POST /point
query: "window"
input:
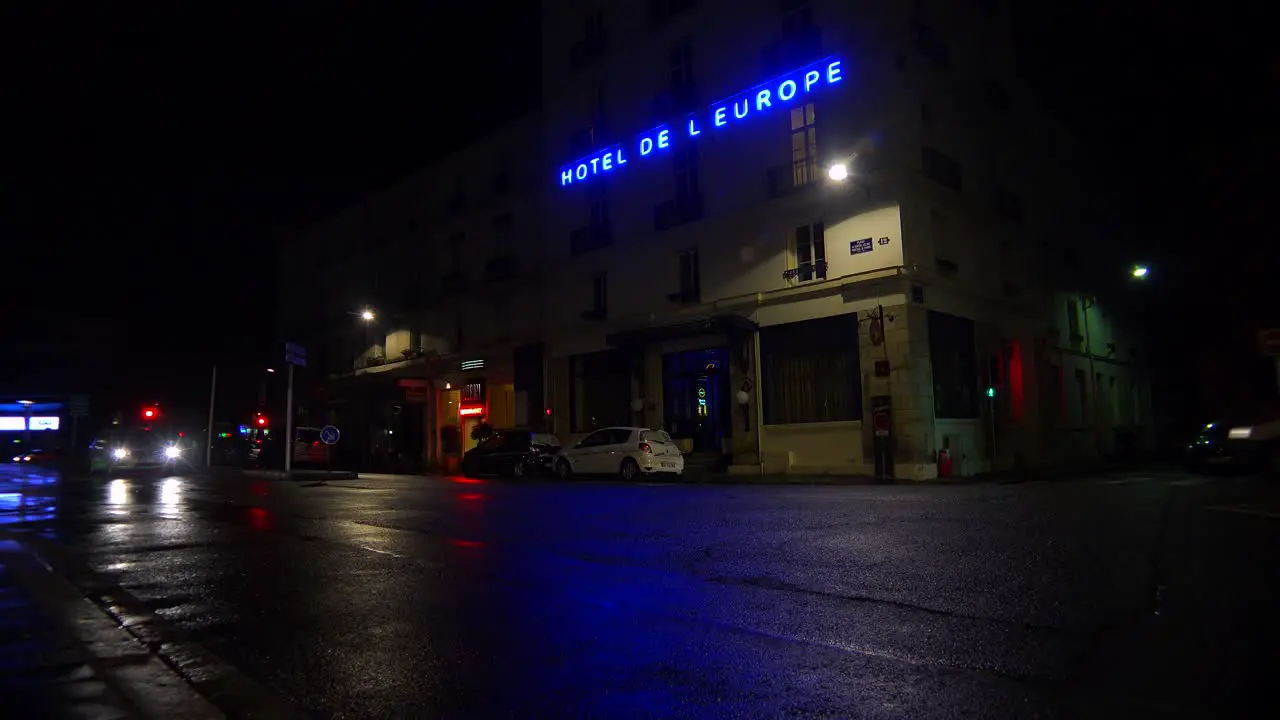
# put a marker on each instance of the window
(995, 96)
(600, 295)
(931, 46)
(600, 391)
(797, 17)
(804, 145)
(1008, 204)
(1073, 323)
(582, 141)
(593, 43)
(680, 66)
(811, 252)
(940, 232)
(456, 241)
(599, 207)
(1053, 394)
(502, 228)
(942, 168)
(953, 354)
(809, 371)
(1082, 391)
(690, 276)
(685, 162)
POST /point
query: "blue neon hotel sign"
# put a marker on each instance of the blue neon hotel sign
(784, 90)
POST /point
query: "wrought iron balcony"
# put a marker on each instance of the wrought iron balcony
(804, 272)
(684, 209)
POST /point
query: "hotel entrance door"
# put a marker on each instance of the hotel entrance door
(696, 397)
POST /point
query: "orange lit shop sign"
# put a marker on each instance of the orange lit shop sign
(470, 411)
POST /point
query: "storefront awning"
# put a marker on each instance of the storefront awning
(720, 324)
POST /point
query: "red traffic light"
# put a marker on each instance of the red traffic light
(150, 413)
(262, 421)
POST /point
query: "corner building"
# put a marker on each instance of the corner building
(711, 271)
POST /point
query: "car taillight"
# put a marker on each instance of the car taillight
(646, 448)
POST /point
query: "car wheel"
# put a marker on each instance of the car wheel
(518, 469)
(629, 470)
(563, 470)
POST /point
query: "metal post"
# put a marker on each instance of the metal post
(288, 424)
(208, 444)
(1092, 381)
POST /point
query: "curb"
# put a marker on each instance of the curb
(201, 683)
(292, 475)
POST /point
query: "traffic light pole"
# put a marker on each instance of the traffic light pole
(208, 441)
(288, 424)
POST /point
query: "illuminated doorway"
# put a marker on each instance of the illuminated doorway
(695, 392)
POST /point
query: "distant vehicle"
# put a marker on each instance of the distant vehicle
(34, 455)
(515, 452)
(1250, 443)
(308, 449)
(136, 448)
(629, 452)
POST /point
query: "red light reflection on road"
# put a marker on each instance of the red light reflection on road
(466, 480)
(259, 488)
(468, 543)
(471, 496)
(260, 518)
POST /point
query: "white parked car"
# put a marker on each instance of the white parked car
(629, 452)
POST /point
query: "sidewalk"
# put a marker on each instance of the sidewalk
(42, 664)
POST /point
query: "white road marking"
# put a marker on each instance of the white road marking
(381, 552)
(1246, 511)
(1124, 481)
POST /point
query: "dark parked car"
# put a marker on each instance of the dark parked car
(515, 452)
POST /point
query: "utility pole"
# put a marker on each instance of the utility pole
(208, 444)
(288, 424)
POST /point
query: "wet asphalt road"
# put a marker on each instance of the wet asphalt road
(394, 596)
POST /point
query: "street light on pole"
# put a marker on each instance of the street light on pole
(1140, 271)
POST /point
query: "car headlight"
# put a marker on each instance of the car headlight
(119, 453)
(1240, 433)
(172, 452)
(17, 458)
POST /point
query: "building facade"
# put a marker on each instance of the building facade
(832, 238)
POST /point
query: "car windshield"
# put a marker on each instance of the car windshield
(545, 439)
(309, 436)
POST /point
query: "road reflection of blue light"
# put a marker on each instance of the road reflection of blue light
(26, 495)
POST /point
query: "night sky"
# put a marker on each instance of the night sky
(165, 148)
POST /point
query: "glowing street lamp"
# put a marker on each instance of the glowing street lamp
(1140, 271)
(838, 172)
(367, 316)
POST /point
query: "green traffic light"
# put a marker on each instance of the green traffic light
(991, 392)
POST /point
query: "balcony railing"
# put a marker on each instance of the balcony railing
(500, 268)
(684, 209)
(786, 179)
(590, 237)
(804, 272)
(796, 48)
(453, 283)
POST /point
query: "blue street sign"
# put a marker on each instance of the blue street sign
(857, 247)
(329, 435)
